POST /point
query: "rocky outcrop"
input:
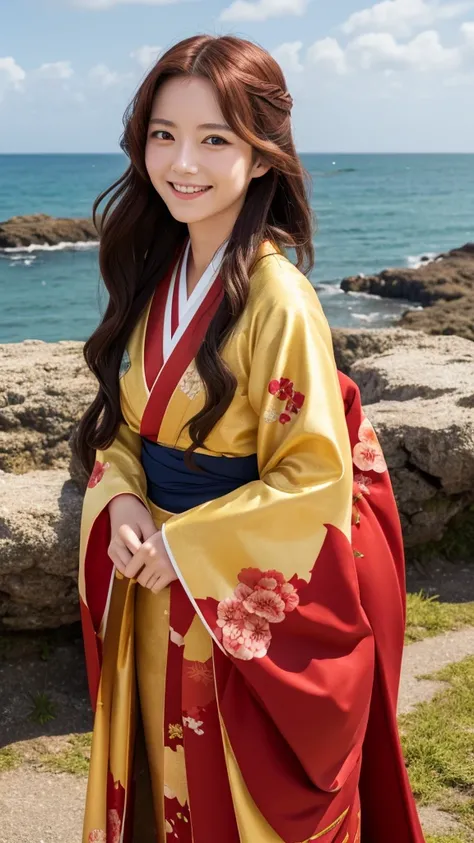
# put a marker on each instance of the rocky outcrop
(444, 286)
(39, 545)
(41, 229)
(44, 389)
(418, 390)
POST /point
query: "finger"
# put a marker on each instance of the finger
(153, 580)
(128, 536)
(159, 585)
(136, 564)
(145, 575)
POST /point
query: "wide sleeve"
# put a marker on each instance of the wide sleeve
(270, 570)
(117, 470)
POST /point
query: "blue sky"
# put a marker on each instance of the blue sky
(392, 76)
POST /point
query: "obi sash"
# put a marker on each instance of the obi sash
(172, 486)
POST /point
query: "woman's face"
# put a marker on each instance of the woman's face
(182, 151)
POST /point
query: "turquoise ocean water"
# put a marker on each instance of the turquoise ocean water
(373, 211)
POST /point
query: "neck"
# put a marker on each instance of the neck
(206, 236)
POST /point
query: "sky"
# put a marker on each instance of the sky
(392, 76)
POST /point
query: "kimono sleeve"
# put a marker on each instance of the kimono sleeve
(117, 470)
(270, 570)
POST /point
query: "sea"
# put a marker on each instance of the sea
(372, 212)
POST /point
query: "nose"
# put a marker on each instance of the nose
(183, 161)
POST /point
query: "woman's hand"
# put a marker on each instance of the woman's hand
(136, 545)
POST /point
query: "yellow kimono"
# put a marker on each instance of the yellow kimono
(233, 706)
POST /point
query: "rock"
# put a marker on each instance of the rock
(418, 391)
(44, 389)
(444, 286)
(41, 229)
(39, 546)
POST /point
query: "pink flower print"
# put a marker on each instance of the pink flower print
(290, 596)
(97, 473)
(251, 576)
(295, 403)
(367, 454)
(242, 591)
(230, 612)
(268, 583)
(114, 825)
(266, 604)
(283, 388)
(284, 418)
(97, 835)
(256, 637)
(363, 483)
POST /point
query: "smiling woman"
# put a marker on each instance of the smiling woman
(241, 563)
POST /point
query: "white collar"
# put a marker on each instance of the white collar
(205, 281)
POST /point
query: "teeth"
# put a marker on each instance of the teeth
(182, 189)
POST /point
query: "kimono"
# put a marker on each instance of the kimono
(254, 699)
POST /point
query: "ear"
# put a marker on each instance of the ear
(260, 168)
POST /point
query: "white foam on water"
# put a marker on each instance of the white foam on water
(46, 247)
(415, 261)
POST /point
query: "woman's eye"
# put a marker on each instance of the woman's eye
(215, 137)
(158, 132)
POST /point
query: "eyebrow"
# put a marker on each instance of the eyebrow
(220, 126)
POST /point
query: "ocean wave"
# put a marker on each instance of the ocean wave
(415, 261)
(46, 247)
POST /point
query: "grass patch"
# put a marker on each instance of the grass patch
(9, 758)
(43, 709)
(72, 758)
(450, 838)
(438, 743)
(426, 616)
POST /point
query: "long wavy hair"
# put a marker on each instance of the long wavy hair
(251, 91)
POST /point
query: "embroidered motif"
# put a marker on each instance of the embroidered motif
(243, 620)
(114, 825)
(175, 731)
(193, 724)
(125, 364)
(97, 473)
(367, 453)
(358, 554)
(361, 483)
(168, 827)
(97, 835)
(191, 383)
(283, 390)
(200, 672)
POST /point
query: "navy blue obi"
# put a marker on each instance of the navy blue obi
(171, 485)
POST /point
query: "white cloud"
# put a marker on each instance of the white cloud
(56, 70)
(11, 73)
(242, 10)
(288, 56)
(403, 17)
(105, 77)
(423, 53)
(467, 30)
(146, 56)
(328, 51)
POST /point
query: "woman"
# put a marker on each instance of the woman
(241, 579)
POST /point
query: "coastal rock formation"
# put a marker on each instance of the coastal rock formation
(39, 544)
(44, 389)
(444, 286)
(41, 229)
(418, 391)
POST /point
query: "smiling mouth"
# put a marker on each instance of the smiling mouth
(189, 188)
